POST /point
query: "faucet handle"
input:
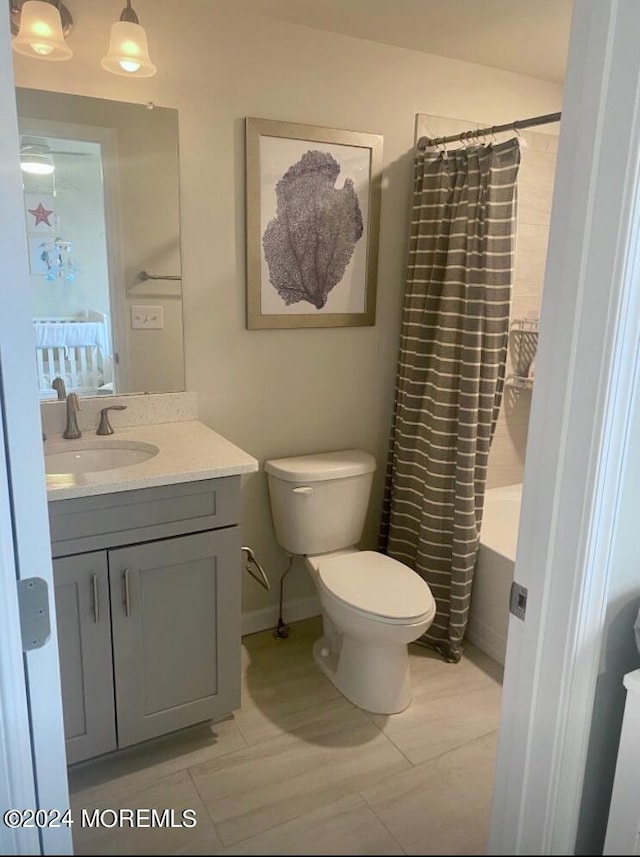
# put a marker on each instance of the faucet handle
(58, 385)
(105, 426)
(72, 431)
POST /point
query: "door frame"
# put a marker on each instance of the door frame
(37, 771)
(17, 780)
(586, 376)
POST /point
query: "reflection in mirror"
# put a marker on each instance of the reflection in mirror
(100, 182)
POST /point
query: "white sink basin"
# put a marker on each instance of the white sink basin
(89, 456)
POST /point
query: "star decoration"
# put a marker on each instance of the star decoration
(41, 214)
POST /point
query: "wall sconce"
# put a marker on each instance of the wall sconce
(128, 51)
(39, 27)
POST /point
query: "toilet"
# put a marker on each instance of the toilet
(372, 605)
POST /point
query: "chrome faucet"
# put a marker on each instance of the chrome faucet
(105, 426)
(58, 385)
(72, 430)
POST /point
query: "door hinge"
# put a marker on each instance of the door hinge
(33, 601)
(518, 600)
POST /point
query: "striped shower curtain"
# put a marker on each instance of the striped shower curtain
(450, 378)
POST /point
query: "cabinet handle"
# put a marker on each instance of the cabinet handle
(127, 597)
(96, 601)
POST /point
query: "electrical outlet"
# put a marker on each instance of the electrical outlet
(147, 318)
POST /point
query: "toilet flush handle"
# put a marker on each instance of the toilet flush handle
(303, 489)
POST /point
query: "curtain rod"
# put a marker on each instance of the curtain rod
(474, 133)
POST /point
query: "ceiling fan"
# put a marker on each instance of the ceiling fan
(37, 156)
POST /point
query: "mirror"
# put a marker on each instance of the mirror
(101, 202)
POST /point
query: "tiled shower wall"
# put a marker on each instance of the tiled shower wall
(535, 190)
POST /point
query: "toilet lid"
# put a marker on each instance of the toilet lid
(376, 584)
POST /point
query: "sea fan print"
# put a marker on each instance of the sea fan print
(311, 240)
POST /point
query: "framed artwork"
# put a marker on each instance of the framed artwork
(313, 215)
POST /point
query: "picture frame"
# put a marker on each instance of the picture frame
(313, 219)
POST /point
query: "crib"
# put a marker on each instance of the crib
(76, 349)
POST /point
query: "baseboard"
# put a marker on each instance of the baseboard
(267, 617)
(486, 639)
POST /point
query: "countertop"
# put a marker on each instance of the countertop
(189, 451)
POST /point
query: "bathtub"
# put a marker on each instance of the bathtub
(489, 613)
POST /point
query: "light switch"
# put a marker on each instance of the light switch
(147, 318)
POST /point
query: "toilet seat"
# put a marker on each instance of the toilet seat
(376, 586)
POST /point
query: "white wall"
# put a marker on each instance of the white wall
(290, 391)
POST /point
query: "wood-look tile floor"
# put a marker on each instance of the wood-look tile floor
(300, 770)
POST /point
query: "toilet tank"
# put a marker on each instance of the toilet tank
(319, 502)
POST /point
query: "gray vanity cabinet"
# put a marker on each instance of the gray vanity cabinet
(84, 641)
(148, 611)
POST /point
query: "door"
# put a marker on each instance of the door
(555, 742)
(175, 613)
(84, 645)
(91, 174)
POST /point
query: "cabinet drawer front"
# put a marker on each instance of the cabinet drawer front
(108, 520)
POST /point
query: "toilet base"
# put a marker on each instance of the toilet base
(375, 678)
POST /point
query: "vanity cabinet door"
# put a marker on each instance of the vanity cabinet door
(84, 642)
(176, 646)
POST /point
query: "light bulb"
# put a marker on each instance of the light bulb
(42, 49)
(37, 169)
(129, 65)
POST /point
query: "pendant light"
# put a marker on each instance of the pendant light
(42, 29)
(128, 51)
